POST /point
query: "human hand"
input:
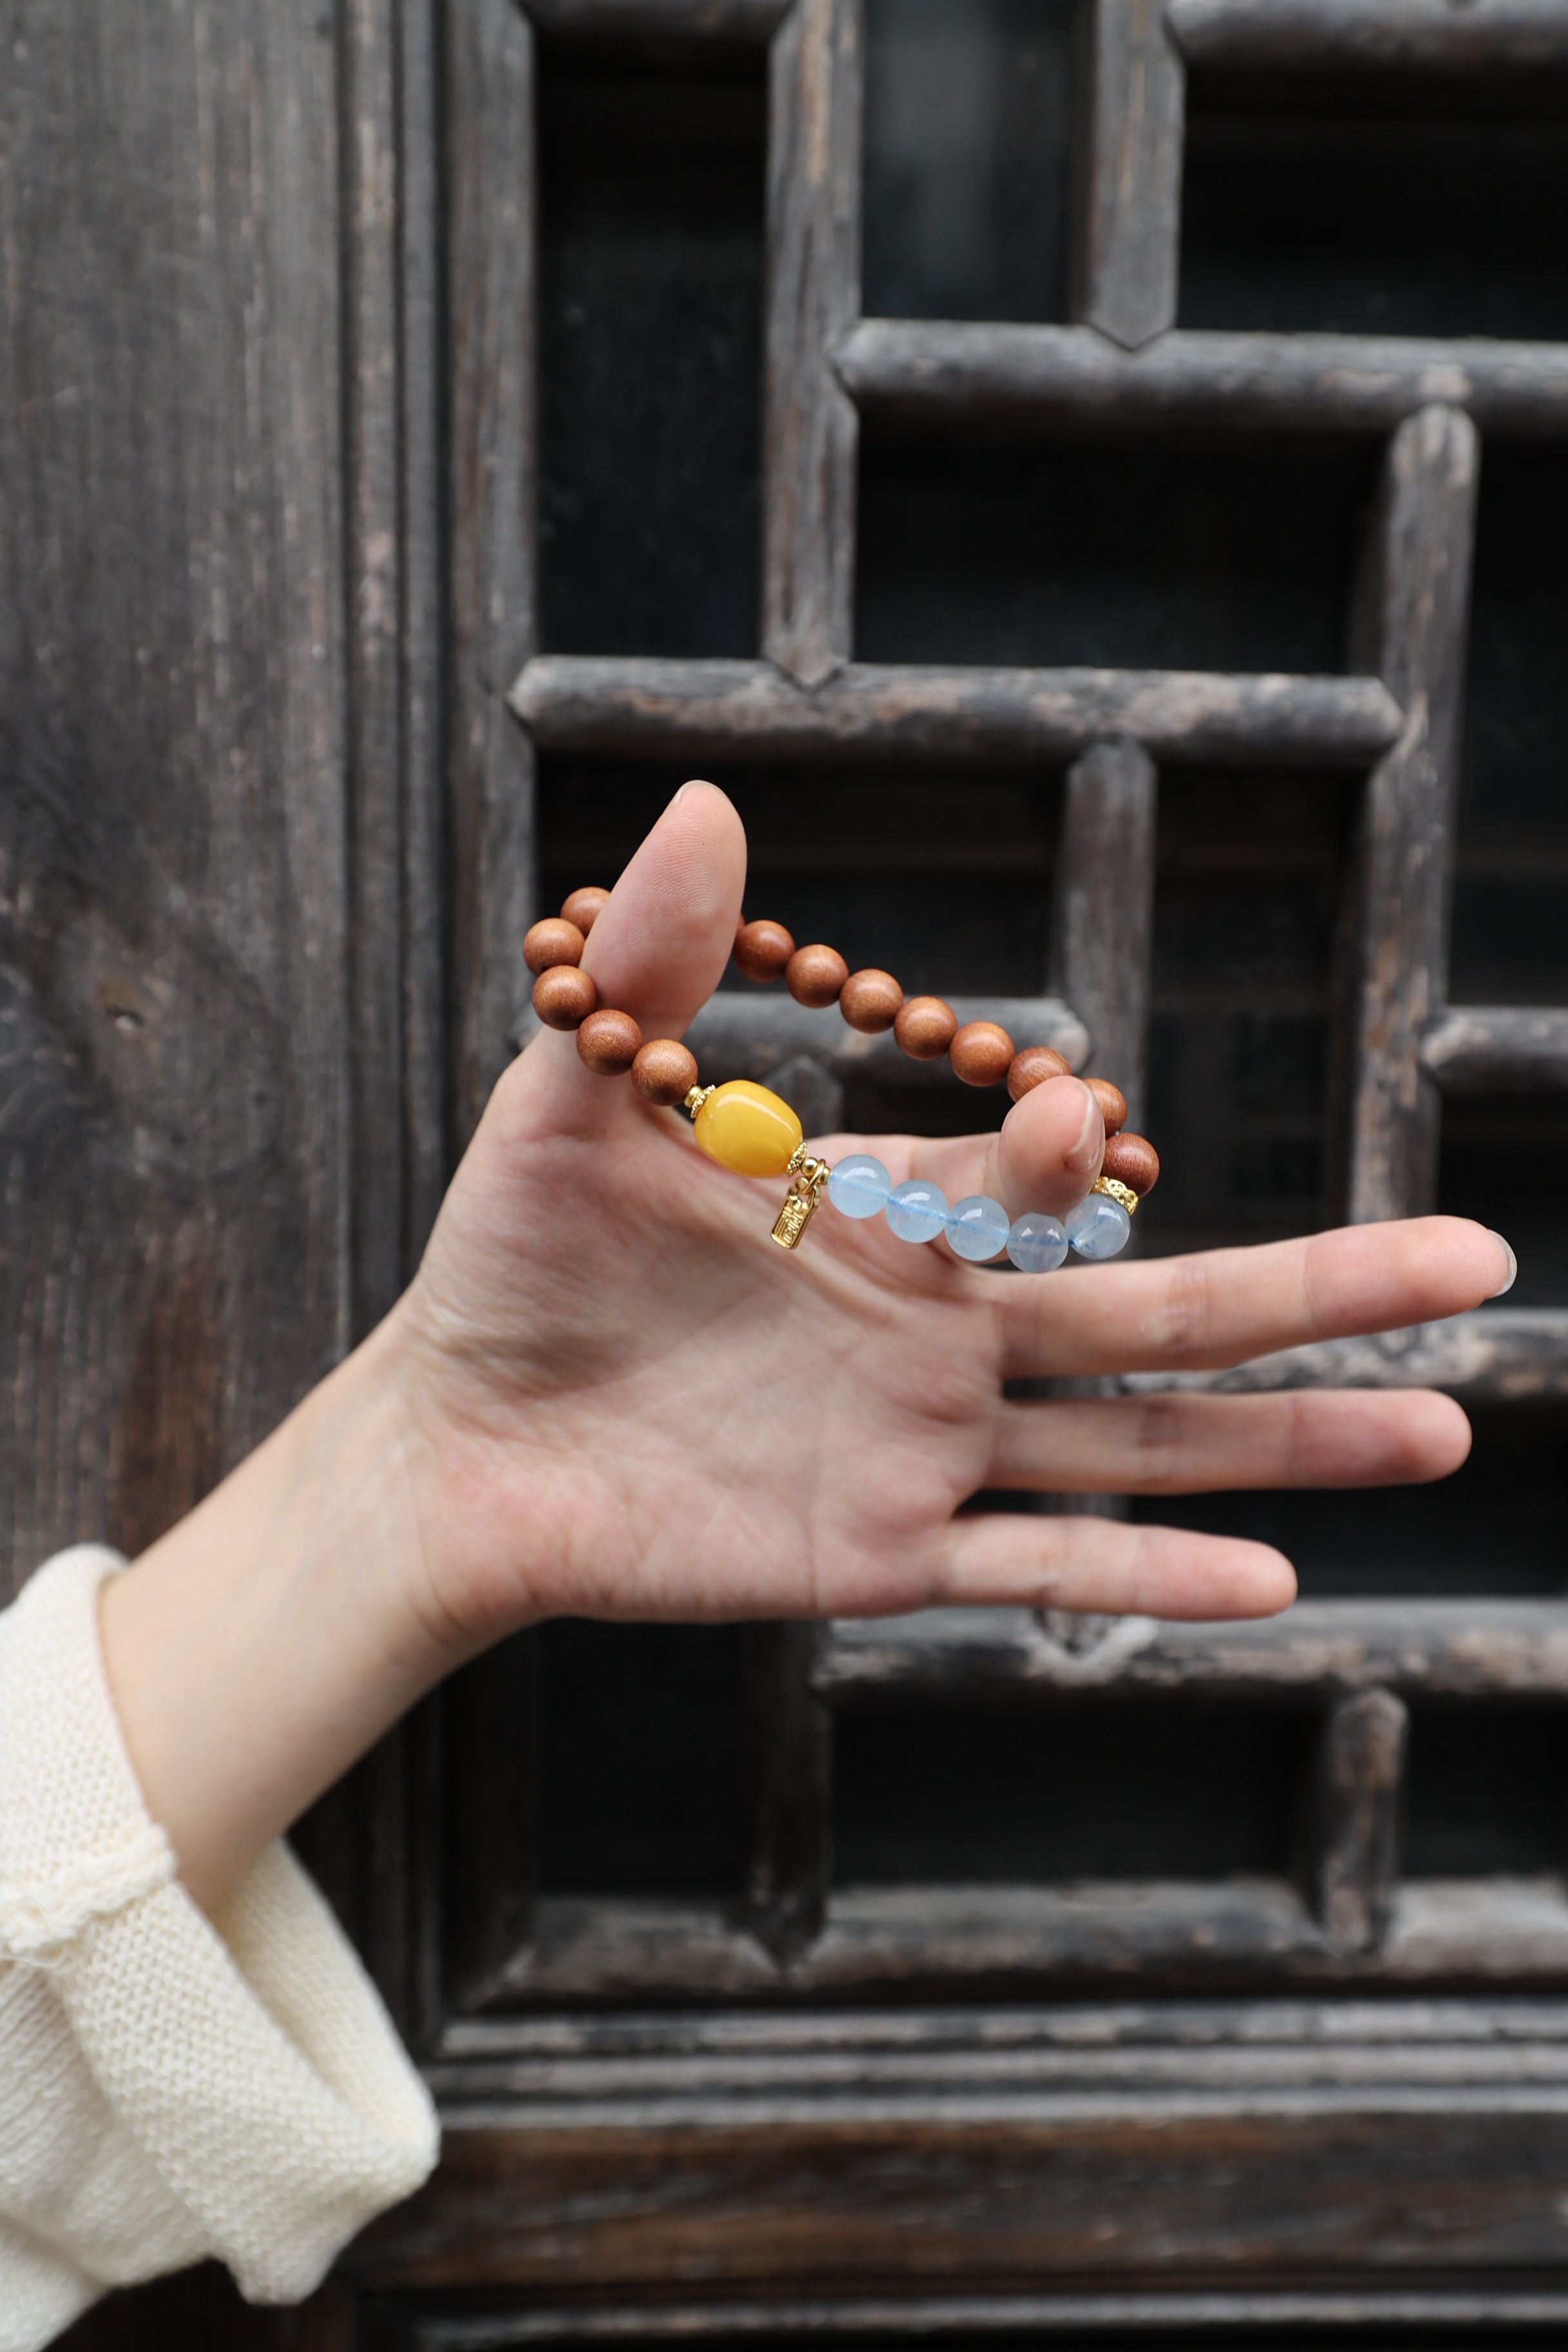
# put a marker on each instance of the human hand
(608, 1393)
(631, 1404)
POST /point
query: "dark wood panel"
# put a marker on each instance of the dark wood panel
(492, 262)
(1131, 172)
(1133, 2194)
(749, 21)
(1381, 33)
(1461, 1649)
(1028, 378)
(1487, 1049)
(1410, 629)
(809, 425)
(174, 816)
(697, 710)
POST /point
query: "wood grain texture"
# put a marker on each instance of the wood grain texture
(1319, 1649)
(173, 827)
(1025, 378)
(1411, 631)
(1147, 2314)
(1352, 1818)
(809, 423)
(1425, 34)
(990, 1943)
(1506, 1354)
(1131, 225)
(1103, 933)
(1484, 1049)
(491, 264)
(1016, 718)
(792, 1789)
(1120, 2194)
(752, 22)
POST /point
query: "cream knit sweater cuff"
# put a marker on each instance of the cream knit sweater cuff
(171, 2087)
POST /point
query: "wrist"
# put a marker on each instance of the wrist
(262, 1644)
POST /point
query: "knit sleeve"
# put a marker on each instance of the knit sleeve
(171, 2087)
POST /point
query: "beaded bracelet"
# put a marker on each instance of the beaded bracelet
(745, 1128)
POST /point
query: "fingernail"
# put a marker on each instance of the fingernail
(1512, 1275)
(674, 797)
(1085, 1152)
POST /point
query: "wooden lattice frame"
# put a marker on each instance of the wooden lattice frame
(1127, 368)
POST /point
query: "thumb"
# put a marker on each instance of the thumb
(660, 944)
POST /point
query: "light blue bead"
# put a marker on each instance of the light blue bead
(977, 1227)
(1036, 1243)
(860, 1185)
(917, 1212)
(1099, 1226)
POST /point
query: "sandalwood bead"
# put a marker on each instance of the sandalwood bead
(1133, 1162)
(665, 1070)
(869, 1001)
(1112, 1103)
(609, 1042)
(981, 1053)
(925, 1027)
(814, 975)
(1032, 1066)
(583, 906)
(762, 950)
(564, 996)
(551, 941)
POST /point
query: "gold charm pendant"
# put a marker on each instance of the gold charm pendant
(800, 1201)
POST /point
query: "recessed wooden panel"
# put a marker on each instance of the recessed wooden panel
(650, 355)
(1376, 205)
(968, 157)
(1199, 556)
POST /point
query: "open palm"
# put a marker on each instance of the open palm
(631, 1404)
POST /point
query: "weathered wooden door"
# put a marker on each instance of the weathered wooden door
(1093, 483)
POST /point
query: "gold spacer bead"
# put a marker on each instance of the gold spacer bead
(1116, 1191)
(797, 1158)
(695, 1098)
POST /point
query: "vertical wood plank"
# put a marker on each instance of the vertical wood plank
(1131, 173)
(791, 1764)
(491, 273)
(173, 1038)
(790, 1735)
(809, 423)
(1102, 934)
(1410, 628)
(1354, 1816)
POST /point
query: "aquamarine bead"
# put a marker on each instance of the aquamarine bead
(917, 1212)
(860, 1185)
(977, 1227)
(1036, 1243)
(1099, 1226)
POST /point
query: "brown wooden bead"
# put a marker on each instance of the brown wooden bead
(1112, 1103)
(564, 996)
(869, 1001)
(762, 950)
(814, 975)
(1031, 1066)
(609, 1042)
(981, 1053)
(1133, 1162)
(665, 1070)
(550, 942)
(925, 1027)
(583, 905)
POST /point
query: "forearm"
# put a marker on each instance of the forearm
(263, 1643)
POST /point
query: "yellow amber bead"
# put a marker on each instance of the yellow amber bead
(744, 1126)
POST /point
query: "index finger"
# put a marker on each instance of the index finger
(1199, 1313)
